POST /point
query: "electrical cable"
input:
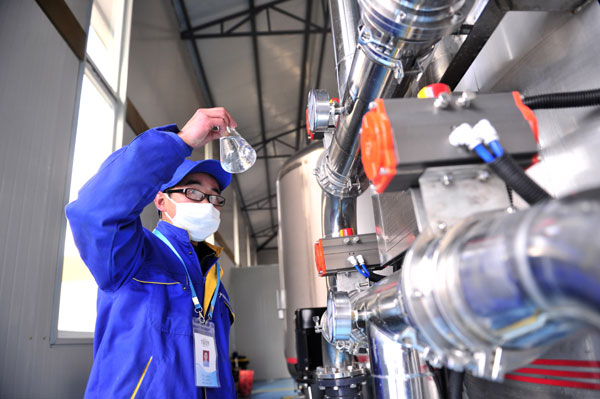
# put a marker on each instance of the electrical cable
(455, 384)
(496, 148)
(358, 268)
(483, 153)
(515, 177)
(374, 277)
(584, 98)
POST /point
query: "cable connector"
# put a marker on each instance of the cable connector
(463, 135)
(487, 132)
(360, 267)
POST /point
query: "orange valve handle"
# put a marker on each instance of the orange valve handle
(377, 146)
(527, 114)
(320, 258)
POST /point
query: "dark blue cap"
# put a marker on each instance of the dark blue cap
(208, 166)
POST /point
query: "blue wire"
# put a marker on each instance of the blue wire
(361, 271)
(483, 153)
(496, 148)
(362, 265)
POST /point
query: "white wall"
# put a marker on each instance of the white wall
(38, 83)
(260, 334)
(38, 87)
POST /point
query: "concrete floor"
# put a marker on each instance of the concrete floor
(274, 389)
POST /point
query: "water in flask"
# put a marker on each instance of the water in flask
(237, 155)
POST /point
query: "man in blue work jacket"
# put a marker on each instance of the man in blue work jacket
(161, 308)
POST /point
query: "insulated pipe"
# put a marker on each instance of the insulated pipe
(394, 37)
(344, 20)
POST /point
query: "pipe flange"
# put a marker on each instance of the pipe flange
(337, 185)
(357, 370)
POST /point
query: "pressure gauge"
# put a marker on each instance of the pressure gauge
(318, 110)
(339, 313)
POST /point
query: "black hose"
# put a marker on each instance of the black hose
(455, 384)
(374, 277)
(584, 98)
(514, 176)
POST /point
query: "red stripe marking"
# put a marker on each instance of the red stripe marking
(568, 363)
(291, 360)
(560, 383)
(559, 373)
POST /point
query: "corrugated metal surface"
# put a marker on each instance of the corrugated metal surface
(37, 96)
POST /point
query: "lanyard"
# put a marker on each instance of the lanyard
(195, 300)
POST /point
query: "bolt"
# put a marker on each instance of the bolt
(483, 175)
(442, 226)
(346, 241)
(355, 239)
(511, 209)
(447, 179)
(465, 100)
(442, 101)
(417, 294)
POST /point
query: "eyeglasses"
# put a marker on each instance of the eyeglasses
(196, 195)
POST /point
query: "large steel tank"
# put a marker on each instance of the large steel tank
(298, 204)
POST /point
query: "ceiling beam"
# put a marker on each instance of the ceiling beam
(267, 229)
(261, 113)
(219, 21)
(259, 203)
(303, 68)
(258, 145)
(297, 18)
(184, 20)
(229, 34)
(196, 59)
(265, 243)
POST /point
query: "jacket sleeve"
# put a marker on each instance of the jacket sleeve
(105, 218)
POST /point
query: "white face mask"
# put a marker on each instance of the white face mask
(200, 220)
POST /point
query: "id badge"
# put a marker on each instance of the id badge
(205, 354)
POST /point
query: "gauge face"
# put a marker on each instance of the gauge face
(318, 110)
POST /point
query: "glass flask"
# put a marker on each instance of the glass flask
(237, 155)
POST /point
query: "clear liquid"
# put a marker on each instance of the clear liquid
(237, 155)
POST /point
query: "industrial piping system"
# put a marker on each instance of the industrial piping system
(394, 40)
(489, 295)
(484, 288)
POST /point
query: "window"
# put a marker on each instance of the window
(98, 132)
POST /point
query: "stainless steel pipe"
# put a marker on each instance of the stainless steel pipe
(344, 16)
(494, 291)
(393, 38)
(398, 372)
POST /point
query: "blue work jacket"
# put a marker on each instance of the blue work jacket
(143, 343)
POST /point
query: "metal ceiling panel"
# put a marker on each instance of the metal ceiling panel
(201, 12)
(229, 70)
(280, 56)
(264, 54)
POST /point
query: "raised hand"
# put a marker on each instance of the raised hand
(207, 124)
